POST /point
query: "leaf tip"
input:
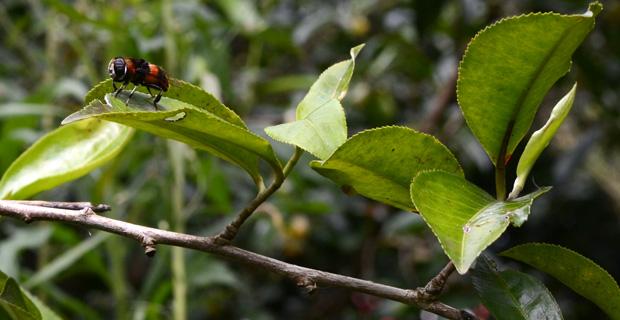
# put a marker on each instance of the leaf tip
(356, 50)
(71, 118)
(316, 163)
(594, 8)
(462, 267)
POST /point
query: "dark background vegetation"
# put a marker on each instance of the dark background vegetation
(260, 57)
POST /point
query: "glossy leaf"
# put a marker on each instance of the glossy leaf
(15, 302)
(511, 294)
(178, 90)
(508, 68)
(62, 155)
(540, 140)
(320, 126)
(187, 123)
(465, 218)
(380, 163)
(574, 270)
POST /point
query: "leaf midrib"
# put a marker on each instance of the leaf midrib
(364, 169)
(513, 299)
(524, 94)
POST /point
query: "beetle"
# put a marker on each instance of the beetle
(139, 72)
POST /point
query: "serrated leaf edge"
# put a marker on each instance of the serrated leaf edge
(173, 82)
(543, 244)
(441, 243)
(434, 139)
(594, 6)
(269, 132)
(537, 194)
(275, 164)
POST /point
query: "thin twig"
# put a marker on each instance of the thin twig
(306, 278)
(231, 230)
(435, 286)
(65, 205)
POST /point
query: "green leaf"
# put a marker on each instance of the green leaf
(46, 312)
(507, 70)
(465, 218)
(380, 163)
(178, 90)
(320, 126)
(62, 155)
(540, 140)
(511, 294)
(574, 270)
(15, 302)
(185, 122)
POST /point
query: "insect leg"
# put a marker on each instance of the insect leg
(131, 94)
(120, 89)
(157, 98)
(149, 90)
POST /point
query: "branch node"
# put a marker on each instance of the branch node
(149, 246)
(225, 236)
(150, 251)
(307, 284)
(435, 286)
(220, 240)
(27, 218)
(101, 207)
(87, 211)
(415, 295)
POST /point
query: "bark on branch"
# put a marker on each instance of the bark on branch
(308, 279)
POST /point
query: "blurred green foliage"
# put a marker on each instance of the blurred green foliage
(260, 57)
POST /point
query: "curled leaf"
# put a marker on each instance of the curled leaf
(320, 126)
(509, 67)
(540, 140)
(465, 218)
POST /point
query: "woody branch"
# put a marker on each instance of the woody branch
(83, 214)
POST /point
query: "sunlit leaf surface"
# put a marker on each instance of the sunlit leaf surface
(509, 67)
(320, 126)
(210, 127)
(540, 140)
(380, 163)
(465, 218)
(62, 155)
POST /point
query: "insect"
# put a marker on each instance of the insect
(139, 72)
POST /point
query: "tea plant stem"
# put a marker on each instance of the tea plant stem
(435, 286)
(64, 205)
(306, 278)
(231, 230)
